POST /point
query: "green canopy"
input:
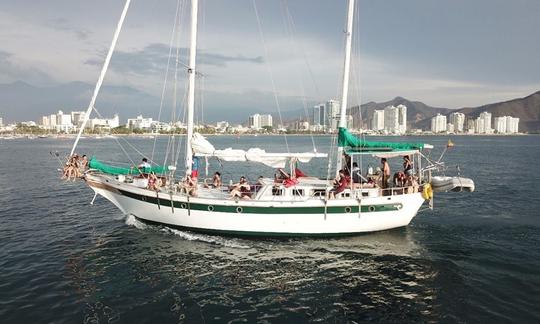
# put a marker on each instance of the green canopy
(346, 139)
(98, 165)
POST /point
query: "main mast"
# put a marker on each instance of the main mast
(191, 87)
(345, 82)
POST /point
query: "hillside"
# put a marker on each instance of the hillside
(416, 111)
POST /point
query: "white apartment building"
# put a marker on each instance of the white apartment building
(139, 123)
(258, 121)
(483, 123)
(395, 119)
(63, 122)
(506, 125)
(377, 122)
(319, 116)
(266, 120)
(333, 111)
(458, 121)
(438, 123)
(77, 117)
(103, 122)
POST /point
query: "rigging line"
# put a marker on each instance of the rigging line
(356, 65)
(288, 20)
(171, 44)
(102, 74)
(267, 61)
(180, 139)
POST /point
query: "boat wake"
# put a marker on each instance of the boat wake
(133, 221)
(232, 243)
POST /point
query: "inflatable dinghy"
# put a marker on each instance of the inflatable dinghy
(445, 184)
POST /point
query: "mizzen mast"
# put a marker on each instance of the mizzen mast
(345, 82)
(191, 86)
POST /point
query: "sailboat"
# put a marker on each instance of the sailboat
(290, 206)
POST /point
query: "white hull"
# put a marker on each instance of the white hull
(313, 217)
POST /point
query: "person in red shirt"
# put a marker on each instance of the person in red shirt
(341, 183)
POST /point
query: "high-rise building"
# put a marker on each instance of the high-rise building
(506, 125)
(319, 115)
(259, 121)
(77, 117)
(377, 122)
(391, 119)
(1, 122)
(438, 123)
(512, 125)
(500, 125)
(402, 119)
(265, 121)
(483, 123)
(458, 121)
(333, 113)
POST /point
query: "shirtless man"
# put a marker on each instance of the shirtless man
(385, 173)
(241, 189)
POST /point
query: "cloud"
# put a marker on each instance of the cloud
(153, 58)
(10, 71)
(63, 24)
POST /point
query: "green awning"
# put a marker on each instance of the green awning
(346, 139)
(109, 169)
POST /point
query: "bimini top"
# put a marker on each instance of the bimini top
(354, 145)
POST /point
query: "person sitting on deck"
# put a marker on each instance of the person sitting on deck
(281, 176)
(83, 163)
(242, 189)
(153, 182)
(190, 186)
(216, 181)
(399, 179)
(144, 165)
(340, 183)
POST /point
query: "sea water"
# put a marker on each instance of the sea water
(475, 258)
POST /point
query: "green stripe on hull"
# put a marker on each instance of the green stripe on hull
(252, 234)
(264, 210)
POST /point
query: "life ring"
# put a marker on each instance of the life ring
(427, 192)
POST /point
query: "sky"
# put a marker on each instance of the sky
(450, 54)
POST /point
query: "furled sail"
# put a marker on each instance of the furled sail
(202, 147)
(115, 170)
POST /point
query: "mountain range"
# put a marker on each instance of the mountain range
(419, 115)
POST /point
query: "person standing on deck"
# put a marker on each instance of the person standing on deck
(195, 168)
(385, 173)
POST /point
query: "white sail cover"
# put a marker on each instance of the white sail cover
(202, 147)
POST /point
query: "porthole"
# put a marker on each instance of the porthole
(239, 209)
(371, 208)
(183, 205)
(210, 208)
(348, 209)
